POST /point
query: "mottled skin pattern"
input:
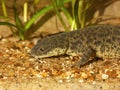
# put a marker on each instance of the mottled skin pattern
(101, 41)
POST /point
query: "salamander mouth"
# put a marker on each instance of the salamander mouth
(39, 57)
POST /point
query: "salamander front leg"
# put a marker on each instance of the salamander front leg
(85, 58)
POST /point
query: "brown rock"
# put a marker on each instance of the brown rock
(5, 31)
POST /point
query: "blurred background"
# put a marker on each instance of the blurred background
(34, 18)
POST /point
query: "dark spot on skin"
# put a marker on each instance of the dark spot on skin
(109, 40)
(97, 43)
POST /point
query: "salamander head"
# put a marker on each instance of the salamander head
(48, 47)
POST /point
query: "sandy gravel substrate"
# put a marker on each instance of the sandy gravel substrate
(20, 71)
(51, 84)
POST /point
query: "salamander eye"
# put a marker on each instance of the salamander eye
(41, 49)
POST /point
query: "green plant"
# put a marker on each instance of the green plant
(83, 7)
(4, 8)
(76, 19)
(22, 28)
(59, 5)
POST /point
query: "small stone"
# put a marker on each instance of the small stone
(105, 76)
(94, 82)
(60, 81)
(84, 75)
(81, 80)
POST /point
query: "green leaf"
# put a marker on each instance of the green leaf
(19, 25)
(40, 13)
(74, 15)
(67, 14)
(7, 23)
(37, 15)
(4, 8)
